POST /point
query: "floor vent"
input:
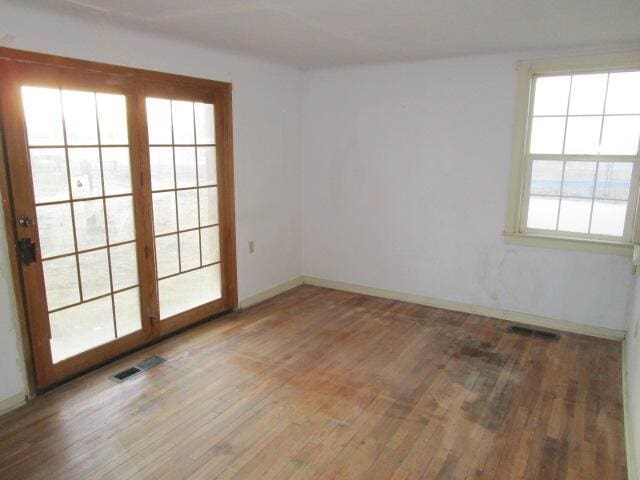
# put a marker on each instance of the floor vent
(530, 332)
(137, 369)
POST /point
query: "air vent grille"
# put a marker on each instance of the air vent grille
(137, 369)
(530, 332)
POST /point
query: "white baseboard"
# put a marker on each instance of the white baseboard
(271, 292)
(632, 460)
(12, 402)
(517, 317)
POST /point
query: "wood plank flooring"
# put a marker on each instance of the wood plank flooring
(318, 383)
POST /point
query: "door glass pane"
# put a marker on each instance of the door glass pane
(159, 121)
(123, 266)
(90, 227)
(189, 250)
(49, 174)
(80, 120)
(188, 209)
(188, 290)
(185, 166)
(94, 273)
(161, 168)
(82, 278)
(61, 282)
(127, 306)
(210, 245)
(164, 212)
(81, 328)
(43, 115)
(117, 170)
(182, 119)
(167, 259)
(208, 206)
(84, 166)
(184, 210)
(205, 124)
(55, 229)
(120, 219)
(112, 118)
(207, 174)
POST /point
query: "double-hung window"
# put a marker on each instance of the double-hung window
(576, 151)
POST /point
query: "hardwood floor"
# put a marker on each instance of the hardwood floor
(317, 383)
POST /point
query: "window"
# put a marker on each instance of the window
(576, 151)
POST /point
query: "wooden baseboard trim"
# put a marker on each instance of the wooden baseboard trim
(632, 461)
(271, 292)
(12, 402)
(516, 317)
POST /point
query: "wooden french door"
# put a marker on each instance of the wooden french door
(122, 199)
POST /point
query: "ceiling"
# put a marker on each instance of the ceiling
(324, 33)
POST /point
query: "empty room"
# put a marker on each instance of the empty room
(320, 239)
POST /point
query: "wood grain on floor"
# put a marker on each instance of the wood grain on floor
(318, 383)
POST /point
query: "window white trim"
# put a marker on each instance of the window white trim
(518, 179)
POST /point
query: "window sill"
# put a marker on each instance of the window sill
(567, 243)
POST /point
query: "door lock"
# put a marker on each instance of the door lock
(26, 251)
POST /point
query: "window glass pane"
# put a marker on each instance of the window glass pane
(543, 212)
(182, 122)
(207, 166)
(117, 170)
(61, 282)
(120, 219)
(205, 126)
(127, 306)
(164, 213)
(189, 250)
(210, 245)
(574, 215)
(80, 328)
(583, 135)
(614, 180)
(49, 174)
(587, 94)
(84, 166)
(608, 217)
(90, 227)
(43, 115)
(623, 95)
(124, 266)
(159, 121)
(208, 206)
(161, 168)
(620, 135)
(579, 179)
(80, 117)
(546, 177)
(188, 290)
(55, 229)
(551, 95)
(547, 135)
(112, 118)
(185, 166)
(187, 209)
(94, 273)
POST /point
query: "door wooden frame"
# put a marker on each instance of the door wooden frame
(145, 82)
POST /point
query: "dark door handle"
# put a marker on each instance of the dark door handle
(26, 251)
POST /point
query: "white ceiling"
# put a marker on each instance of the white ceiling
(322, 33)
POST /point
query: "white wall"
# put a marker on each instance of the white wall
(632, 400)
(266, 118)
(405, 174)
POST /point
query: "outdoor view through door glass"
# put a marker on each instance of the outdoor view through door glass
(182, 152)
(81, 173)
